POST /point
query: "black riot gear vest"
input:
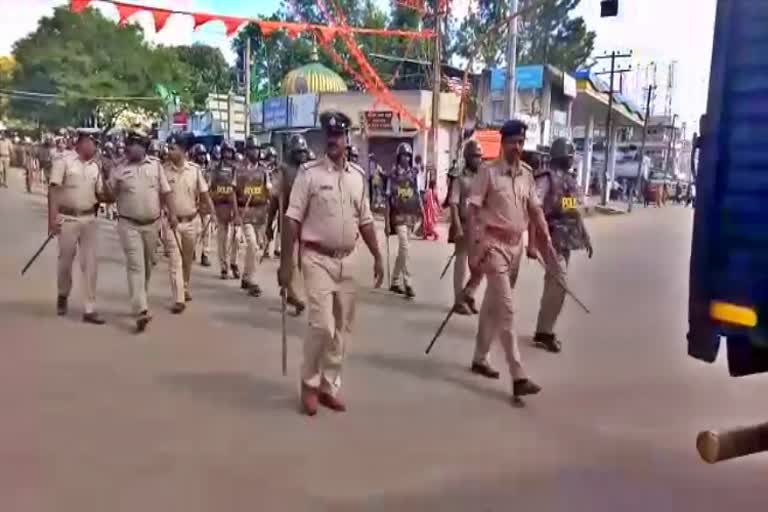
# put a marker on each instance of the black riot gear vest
(221, 182)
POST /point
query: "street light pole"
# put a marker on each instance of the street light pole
(651, 89)
(247, 63)
(510, 99)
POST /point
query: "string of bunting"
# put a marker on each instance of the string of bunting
(233, 24)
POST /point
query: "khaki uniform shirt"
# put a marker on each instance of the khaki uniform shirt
(330, 203)
(187, 184)
(506, 196)
(78, 182)
(138, 186)
(6, 148)
(460, 191)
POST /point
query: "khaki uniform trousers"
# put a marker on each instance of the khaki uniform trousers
(5, 165)
(400, 272)
(553, 296)
(252, 234)
(205, 238)
(79, 233)
(330, 291)
(180, 262)
(138, 244)
(228, 246)
(501, 267)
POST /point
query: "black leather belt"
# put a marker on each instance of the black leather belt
(77, 213)
(331, 253)
(139, 222)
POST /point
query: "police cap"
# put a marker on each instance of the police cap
(91, 133)
(513, 128)
(335, 122)
(178, 139)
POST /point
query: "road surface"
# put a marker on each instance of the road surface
(194, 415)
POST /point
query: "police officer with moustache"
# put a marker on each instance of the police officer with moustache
(298, 155)
(327, 210)
(200, 157)
(458, 200)
(560, 197)
(253, 188)
(190, 198)
(225, 202)
(405, 207)
(141, 190)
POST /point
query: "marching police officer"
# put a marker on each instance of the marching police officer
(190, 196)
(560, 197)
(458, 197)
(201, 158)
(141, 190)
(75, 190)
(6, 151)
(268, 156)
(223, 195)
(298, 155)
(327, 210)
(503, 201)
(253, 188)
(405, 207)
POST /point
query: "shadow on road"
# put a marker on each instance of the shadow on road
(235, 389)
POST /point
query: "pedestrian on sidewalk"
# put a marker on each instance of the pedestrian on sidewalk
(558, 191)
(75, 190)
(503, 201)
(328, 208)
(140, 188)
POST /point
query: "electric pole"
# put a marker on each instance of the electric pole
(651, 92)
(436, 80)
(510, 98)
(247, 65)
(609, 118)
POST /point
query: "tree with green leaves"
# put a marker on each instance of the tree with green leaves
(205, 71)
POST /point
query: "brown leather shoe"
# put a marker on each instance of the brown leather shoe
(331, 402)
(309, 400)
(485, 370)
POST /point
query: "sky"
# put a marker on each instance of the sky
(660, 31)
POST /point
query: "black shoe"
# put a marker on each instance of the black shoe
(224, 275)
(235, 271)
(187, 297)
(142, 321)
(178, 308)
(409, 292)
(485, 370)
(276, 253)
(254, 290)
(548, 342)
(395, 288)
(204, 261)
(61, 306)
(298, 305)
(523, 387)
(93, 318)
(245, 284)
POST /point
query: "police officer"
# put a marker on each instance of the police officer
(190, 197)
(405, 207)
(6, 151)
(327, 209)
(298, 155)
(253, 188)
(75, 190)
(268, 156)
(155, 149)
(141, 190)
(458, 197)
(503, 200)
(353, 155)
(223, 195)
(560, 197)
(200, 157)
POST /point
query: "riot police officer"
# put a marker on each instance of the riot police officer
(353, 154)
(268, 156)
(405, 207)
(559, 193)
(298, 155)
(253, 188)
(222, 192)
(200, 156)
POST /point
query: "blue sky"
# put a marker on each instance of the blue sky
(656, 30)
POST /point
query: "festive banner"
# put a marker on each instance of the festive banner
(232, 23)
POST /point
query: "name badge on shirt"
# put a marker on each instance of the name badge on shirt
(568, 203)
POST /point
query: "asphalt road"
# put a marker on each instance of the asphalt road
(194, 415)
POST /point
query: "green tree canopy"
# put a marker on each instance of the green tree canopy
(204, 71)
